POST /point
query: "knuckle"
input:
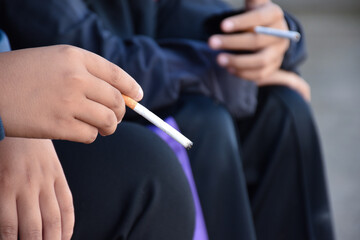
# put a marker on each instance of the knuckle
(109, 123)
(68, 209)
(260, 16)
(263, 61)
(115, 76)
(91, 136)
(69, 51)
(73, 82)
(262, 75)
(278, 12)
(8, 231)
(256, 43)
(122, 111)
(109, 119)
(66, 235)
(34, 234)
(6, 182)
(117, 99)
(60, 124)
(76, 80)
(53, 222)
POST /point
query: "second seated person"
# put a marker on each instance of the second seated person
(256, 158)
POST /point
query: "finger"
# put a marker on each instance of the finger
(8, 218)
(259, 76)
(29, 218)
(263, 15)
(281, 24)
(77, 131)
(64, 199)
(109, 72)
(250, 61)
(105, 94)
(248, 40)
(50, 213)
(242, 41)
(98, 116)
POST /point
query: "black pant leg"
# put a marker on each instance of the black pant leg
(217, 168)
(284, 169)
(127, 186)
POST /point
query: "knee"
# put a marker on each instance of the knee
(163, 187)
(287, 117)
(287, 103)
(211, 127)
(201, 117)
(134, 176)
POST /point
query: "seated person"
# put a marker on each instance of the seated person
(128, 185)
(256, 158)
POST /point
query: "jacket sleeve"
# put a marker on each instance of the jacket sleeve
(296, 54)
(164, 69)
(189, 18)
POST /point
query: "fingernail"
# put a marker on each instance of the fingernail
(228, 25)
(215, 42)
(223, 60)
(140, 94)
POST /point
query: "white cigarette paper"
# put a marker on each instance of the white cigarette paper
(143, 111)
(172, 132)
(293, 35)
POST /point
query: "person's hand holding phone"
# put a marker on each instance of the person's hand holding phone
(264, 53)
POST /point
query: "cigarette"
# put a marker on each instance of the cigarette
(146, 113)
(292, 35)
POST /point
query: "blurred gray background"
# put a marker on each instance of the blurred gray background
(332, 30)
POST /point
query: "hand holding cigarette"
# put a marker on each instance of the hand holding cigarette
(266, 52)
(62, 92)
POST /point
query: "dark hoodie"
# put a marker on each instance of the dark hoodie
(161, 43)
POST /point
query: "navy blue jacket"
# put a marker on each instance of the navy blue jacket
(161, 43)
(4, 46)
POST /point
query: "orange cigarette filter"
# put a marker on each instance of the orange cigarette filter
(131, 103)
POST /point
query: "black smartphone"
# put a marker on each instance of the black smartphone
(212, 24)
